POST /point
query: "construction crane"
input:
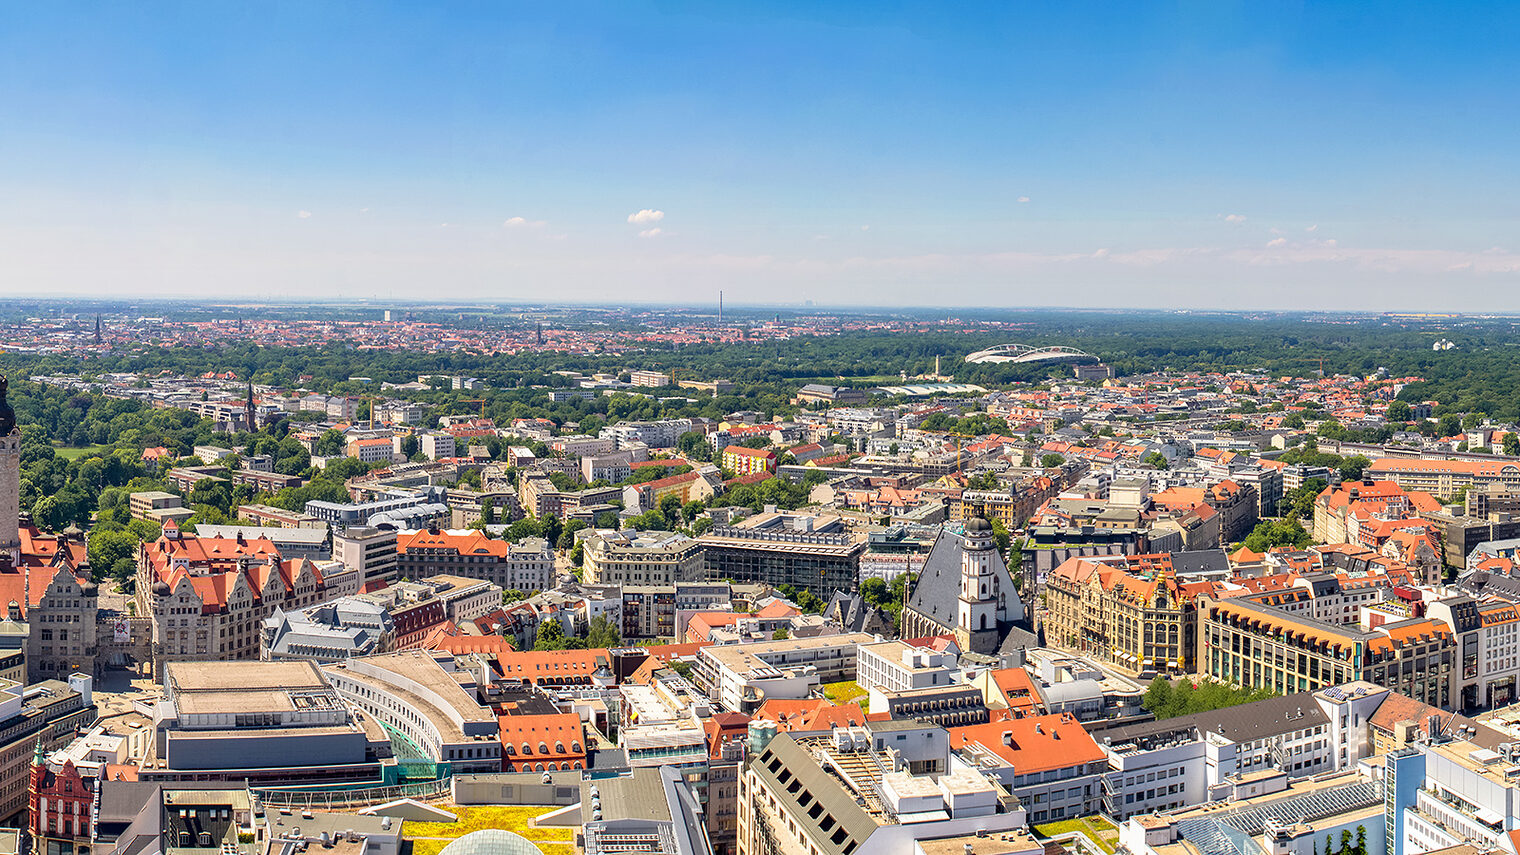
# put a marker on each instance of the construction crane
(480, 401)
(960, 442)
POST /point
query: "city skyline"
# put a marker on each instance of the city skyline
(1202, 157)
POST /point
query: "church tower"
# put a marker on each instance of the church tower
(976, 608)
(10, 477)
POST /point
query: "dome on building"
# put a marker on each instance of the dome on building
(491, 841)
(978, 526)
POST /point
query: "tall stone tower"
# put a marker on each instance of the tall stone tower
(976, 624)
(10, 476)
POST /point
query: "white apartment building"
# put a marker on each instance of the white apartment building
(1188, 760)
(651, 379)
(893, 666)
(582, 445)
(612, 468)
(437, 446)
(740, 677)
(656, 434)
(370, 551)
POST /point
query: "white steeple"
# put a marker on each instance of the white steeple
(976, 609)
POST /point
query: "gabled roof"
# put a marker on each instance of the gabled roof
(1033, 744)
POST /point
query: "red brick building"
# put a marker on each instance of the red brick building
(58, 809)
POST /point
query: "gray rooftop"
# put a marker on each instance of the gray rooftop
(1243, 723)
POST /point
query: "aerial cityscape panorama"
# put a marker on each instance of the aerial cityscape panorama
(770, 429)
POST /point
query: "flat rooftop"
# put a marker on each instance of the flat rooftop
(996, 843)
(419, 669)
(744, 658)
(205, 688)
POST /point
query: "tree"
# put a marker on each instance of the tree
(809, 602)
(1352, 467)
(1301, 501)
(603, 633)
(106, 548)
(875, 592)
(1271, 533)
(1002, 539)
(1399, 411)
(329, 444)
(213, 492)
(1512, 444)
(47, 513)
(1051, 460)
(780, 634)
(1154, 460)
(982, 481)
(670, 509)
(1158, 696)
(551, 636)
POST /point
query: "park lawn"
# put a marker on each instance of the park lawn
(513, 818)
(76, 453)
(1098, 830)
(843, 691)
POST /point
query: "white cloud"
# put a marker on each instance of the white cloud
(646, 216)
(1276, 242)
(1234, 219)
(865, 228)
(650, 233)
(1023, 199)
(305, 215)
(522, 223)
(1312, 228)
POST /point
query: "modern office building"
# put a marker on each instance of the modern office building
(371, 552)
(425, 699)
(816, 553)
(839, 793)
(1247, 643)
(741, 677)
(271, 722)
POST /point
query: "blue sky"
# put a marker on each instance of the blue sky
(1202, 154)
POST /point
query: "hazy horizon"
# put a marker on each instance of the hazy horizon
(1317, 157)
